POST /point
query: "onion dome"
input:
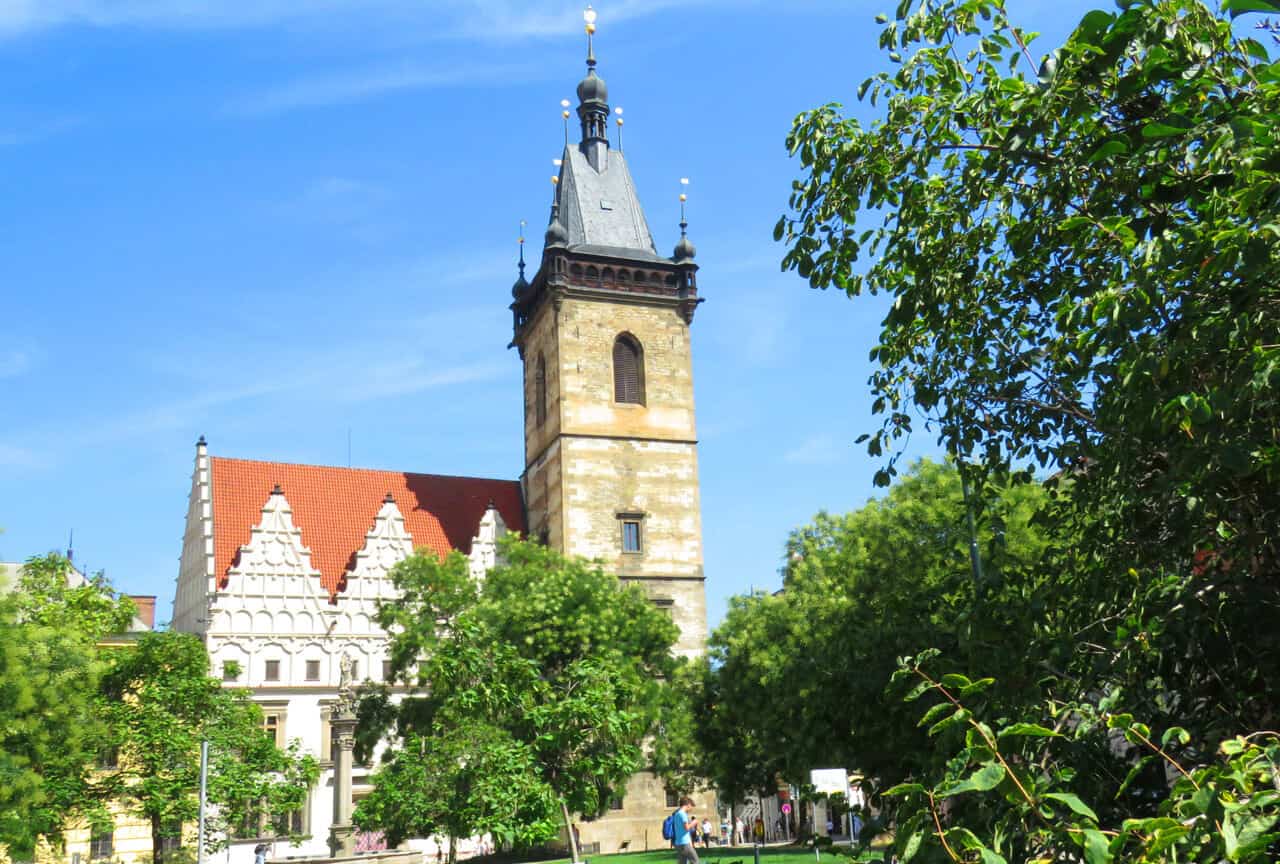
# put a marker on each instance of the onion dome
(556, 233)
(685, 250)
(592, 88)
(521, 285)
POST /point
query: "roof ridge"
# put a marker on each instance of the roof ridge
(363, 470)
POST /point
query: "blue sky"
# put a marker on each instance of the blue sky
(274, 221)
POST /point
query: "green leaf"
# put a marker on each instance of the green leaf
(1027, 730)
(984, 779)
(1162, 130)
(990, 856)
(1073, 801)
(912, 847)
(1113, 147)
(905, 789)
(1242, 7)
(1096, 849)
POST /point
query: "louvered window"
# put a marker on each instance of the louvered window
(628, 371)
(540, 390)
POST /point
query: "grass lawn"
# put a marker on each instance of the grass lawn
(720, 855)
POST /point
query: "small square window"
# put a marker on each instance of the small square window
(673, 798)
(631, 536)
(313, 670)
(664, 605)
(101, 843)
(272, 670)
(271, 723)
(615, 803)
(386, 670)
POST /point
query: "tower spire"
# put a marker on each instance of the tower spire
(522, 284)
(593, 104)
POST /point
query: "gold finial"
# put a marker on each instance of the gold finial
(589, 16)
(555, 179)
(564, 113)
(522, 224)
(684, 183)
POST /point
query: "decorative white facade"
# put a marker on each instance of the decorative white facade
(271, 625)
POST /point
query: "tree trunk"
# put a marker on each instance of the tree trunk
(734, 839)
(453, 849)
(157, 842)
(568, 827)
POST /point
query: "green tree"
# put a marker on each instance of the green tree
(50, 665)
(558, 661)
(796, 680)
(1083, 253)
(159, 702)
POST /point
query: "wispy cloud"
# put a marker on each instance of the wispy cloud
(496, 20)
(14, 363)
(14, 133)
(361, 84)
(818, 449)
(20, 457)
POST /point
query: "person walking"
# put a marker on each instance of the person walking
(260, 853)
(685, 826)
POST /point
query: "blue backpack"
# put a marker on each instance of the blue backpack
(669, 827)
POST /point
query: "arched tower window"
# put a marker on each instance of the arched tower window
(628, 370)
(540, 390)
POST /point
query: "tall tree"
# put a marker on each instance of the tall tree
(796, 680)
(159, 702)
(1084, 257)
(50, 665)
(557, 659)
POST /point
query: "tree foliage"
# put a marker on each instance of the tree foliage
(1081, 250)
(159, 702)
(547, 672)
(50, 666)
(795, 680)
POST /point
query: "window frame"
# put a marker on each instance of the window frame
(271, 671)
(96, 840)
(629, 343)
(540, 390)
(308, 665)
(626, 519)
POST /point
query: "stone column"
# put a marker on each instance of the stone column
(342, 722)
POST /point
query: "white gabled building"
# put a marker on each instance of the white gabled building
(282, 569)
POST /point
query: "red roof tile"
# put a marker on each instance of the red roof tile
(335, 508)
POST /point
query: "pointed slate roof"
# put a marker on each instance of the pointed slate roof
(335, 507)
(600, 209)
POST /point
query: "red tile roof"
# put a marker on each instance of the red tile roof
(335, 508)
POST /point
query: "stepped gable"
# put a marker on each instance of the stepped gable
(335, 508)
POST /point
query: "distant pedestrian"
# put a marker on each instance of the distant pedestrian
(260, 853)
(739, 831)
(685, 831)
(758, 829)
(705, 830)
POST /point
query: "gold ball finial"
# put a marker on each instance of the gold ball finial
(684, 197)
(589, 17)
(554, 179)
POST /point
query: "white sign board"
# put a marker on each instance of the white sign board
(828, 781)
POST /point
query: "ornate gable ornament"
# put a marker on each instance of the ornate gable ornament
(386, 544)
(484, 546)
(274, 548)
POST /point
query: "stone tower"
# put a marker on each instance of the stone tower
(611, 467)
(611, 464)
